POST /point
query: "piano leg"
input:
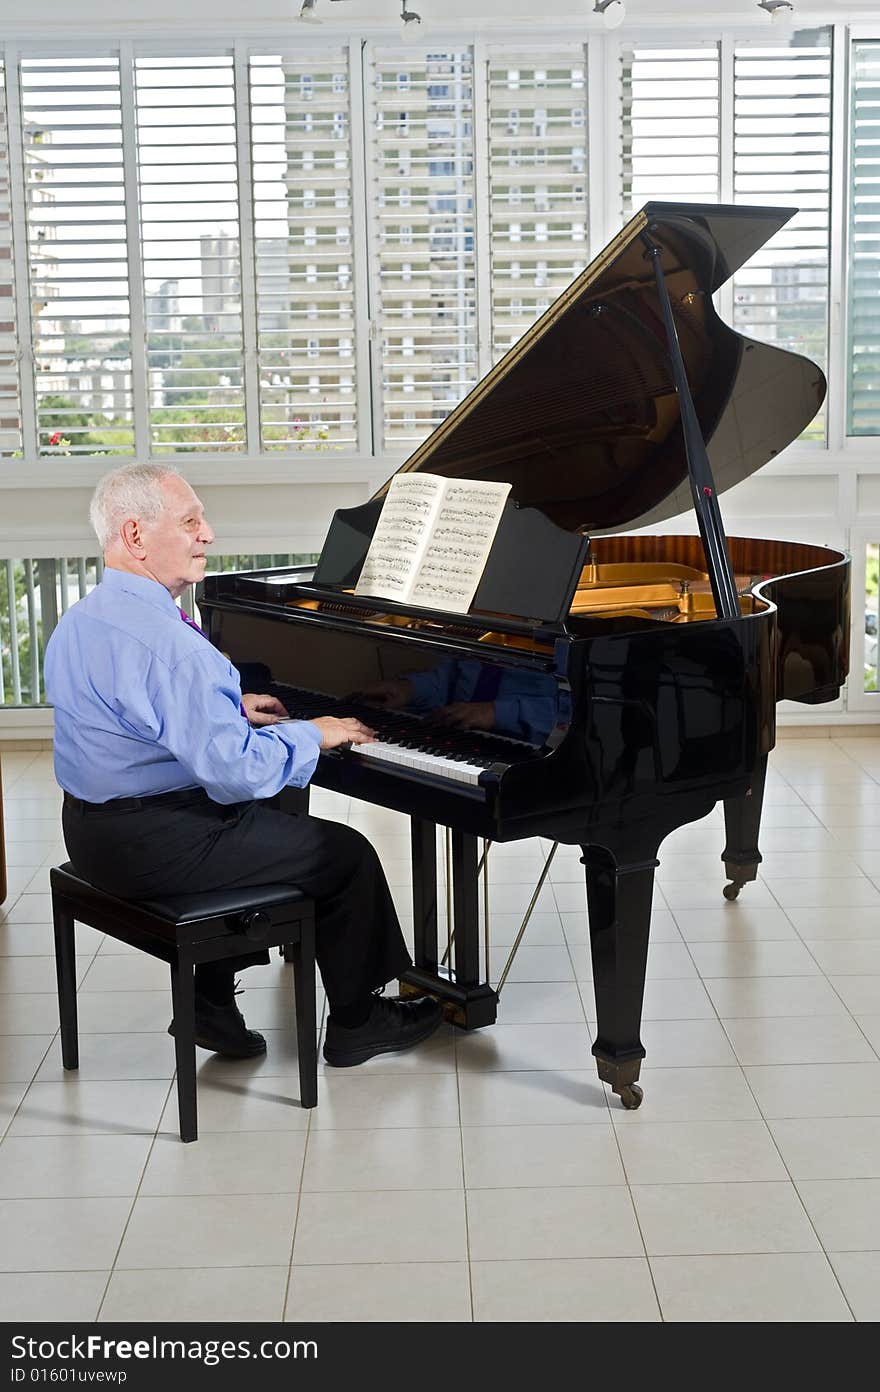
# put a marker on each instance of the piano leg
(619, 902)
(742, 822)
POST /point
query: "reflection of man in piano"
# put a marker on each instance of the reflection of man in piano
(165, 765)
(472, 695)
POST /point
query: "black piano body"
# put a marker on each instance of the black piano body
(625, 701)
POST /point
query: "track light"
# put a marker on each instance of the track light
(408, 21)
(780, 11)
(307, 12)
(613, 12)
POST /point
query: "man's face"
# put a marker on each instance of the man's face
(175, 544)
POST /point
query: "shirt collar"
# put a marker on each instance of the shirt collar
(140, 585)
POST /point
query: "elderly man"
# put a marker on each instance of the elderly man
(166, 767)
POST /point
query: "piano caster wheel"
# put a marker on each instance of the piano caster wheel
(731, 891)
(631, 1096)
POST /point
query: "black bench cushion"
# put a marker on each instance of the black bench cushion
(185, 908)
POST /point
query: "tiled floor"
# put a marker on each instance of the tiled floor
(486, 1176)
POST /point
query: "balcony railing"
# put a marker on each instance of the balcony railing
(35, 592)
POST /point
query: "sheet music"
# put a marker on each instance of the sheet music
(432, 541)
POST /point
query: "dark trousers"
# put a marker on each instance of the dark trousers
(179, 843)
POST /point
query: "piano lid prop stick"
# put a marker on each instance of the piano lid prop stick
(699, 469)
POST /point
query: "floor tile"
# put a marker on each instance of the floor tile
(676, 999)
(768, 1288)
(531, 1047)
(817, 1090)
(425, 1157)
(209, 1230)
(423, 1291)
(24, 1014)
(694, 1219)
(829, 1148)
(75, 1107)
(376, 1100)
(818, 924)
(859, 1276)
(846, 958)
(540, 1002)
(518, 1224)
(801, 1039)
(67, 1167)
(735, 923)
(206, 1295)
(115, 1057)
(689, 1094)
(499, 1157)
(834, 894)
(751, 997)
(715, 959)
(262, 1104)
(555, 1098)
(699, 1152)
(396, 1226)
(61, 1234)
(845, 1212)
(21, 1056)
(532, 963)
(233, 1162)
(683, 1043)
(573, 1291)
(51, 1296)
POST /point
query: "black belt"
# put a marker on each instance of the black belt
(178, 798)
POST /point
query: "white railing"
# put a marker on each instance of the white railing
(35, 592)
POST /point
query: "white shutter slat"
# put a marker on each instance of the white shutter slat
(538, 183)
(783, 96)
(79, 289)
(189, 212)
(670, 125)
(424, 284)
(304, 261)
(864, 243)
(10, 399)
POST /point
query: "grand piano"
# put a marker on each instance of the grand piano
(604, 688)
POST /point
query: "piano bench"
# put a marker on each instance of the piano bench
(185, 930)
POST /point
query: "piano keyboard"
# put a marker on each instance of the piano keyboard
(409, 743)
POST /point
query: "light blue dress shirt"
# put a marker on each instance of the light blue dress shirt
(144, 704)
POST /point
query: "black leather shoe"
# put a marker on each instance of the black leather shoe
(222, 1029)
(392, 1025)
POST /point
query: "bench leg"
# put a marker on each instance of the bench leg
(303, 954)
(65, 969)
(183, 999)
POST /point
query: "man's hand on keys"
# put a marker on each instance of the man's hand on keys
(263, 710)
(336, 732)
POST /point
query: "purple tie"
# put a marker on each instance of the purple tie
(192, 623)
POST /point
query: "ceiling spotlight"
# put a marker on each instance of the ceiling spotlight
(613, 12)
(408, 21)
(307, 12)
(780, 11)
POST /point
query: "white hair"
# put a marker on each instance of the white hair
(134, 491)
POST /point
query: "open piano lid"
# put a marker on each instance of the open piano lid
(581, 415)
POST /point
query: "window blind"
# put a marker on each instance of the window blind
(782, 157)
(863, 346)
(423, 303)
(188, 192)
(670, 103)
(79, 290)
(10, 405)
(538, 184)
(301, 143)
